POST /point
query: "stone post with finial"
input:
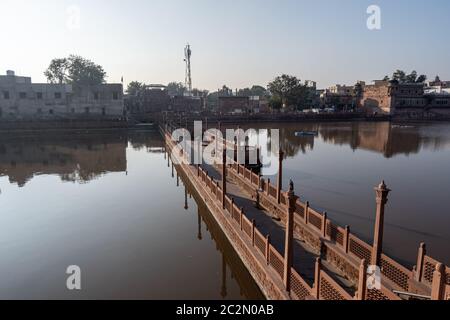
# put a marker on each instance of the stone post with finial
(381, 198)
(280, 175)
(289, 236)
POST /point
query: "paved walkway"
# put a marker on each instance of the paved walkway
(304, 256)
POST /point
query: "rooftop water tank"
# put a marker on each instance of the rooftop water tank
(10, 73)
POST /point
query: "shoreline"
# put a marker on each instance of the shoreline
(93, 125)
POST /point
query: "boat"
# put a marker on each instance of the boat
(306, 133)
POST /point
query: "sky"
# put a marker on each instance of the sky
(236, 42)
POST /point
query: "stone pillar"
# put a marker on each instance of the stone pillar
(280, 175)
(362, 280)
(324, 224)
(439, 280)
(382, 193)
(268, 249)
(346, 238)
(420, 258)
(224, 175)
(289, 237)
(316, 288)
(253, 231)
(306, 211)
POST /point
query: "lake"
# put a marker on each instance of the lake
(108, 203)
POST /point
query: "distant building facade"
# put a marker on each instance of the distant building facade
(340, 97)
(20, 99)
(151, 99)
(389, 97)
(233, 105)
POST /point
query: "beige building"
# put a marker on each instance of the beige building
(403, 99)
(20, 99)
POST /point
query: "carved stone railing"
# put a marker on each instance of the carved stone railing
(338, 245)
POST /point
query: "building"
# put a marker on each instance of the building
(234, 105)
(20, 99)
(190, 104)
(409, 99)
(149, 100)
(438, 87)
(340, 97)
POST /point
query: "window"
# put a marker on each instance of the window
(58, 95)
(86, 110)
(115, 95)
(96, 95)
(39, 95)
(1, 112)
(22, 95)
(6, 95)
(73, 110)
(103, 111)
(50, 111)
(39, 110)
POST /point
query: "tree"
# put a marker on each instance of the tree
(75, 70)
(275, 103)
(421, 79)
(386, 78)
(399, 76)
(289, 90)
(225, 91)
(134, 87)
(199, 92)
(412, 77)
(176, 89)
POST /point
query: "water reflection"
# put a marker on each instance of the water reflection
(135, 235)
(74, 157)
(230, 261)
(381, 137)
(337, 170)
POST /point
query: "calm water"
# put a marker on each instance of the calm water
(338, 169)
(109, 204)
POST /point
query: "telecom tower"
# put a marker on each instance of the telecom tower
(188, 79)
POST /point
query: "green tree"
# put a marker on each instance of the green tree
(134, 87)
(399, 76)
(75, 70)
(421, 79)
(412, 77)
(275, 103)
(225, 91)
(386, 78)
(176, 89)
(289, 90)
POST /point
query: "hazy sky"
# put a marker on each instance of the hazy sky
(238, 43)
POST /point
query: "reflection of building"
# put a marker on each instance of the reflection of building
(73, 159)
(403, 99)
(380, 137)
(20, 99)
